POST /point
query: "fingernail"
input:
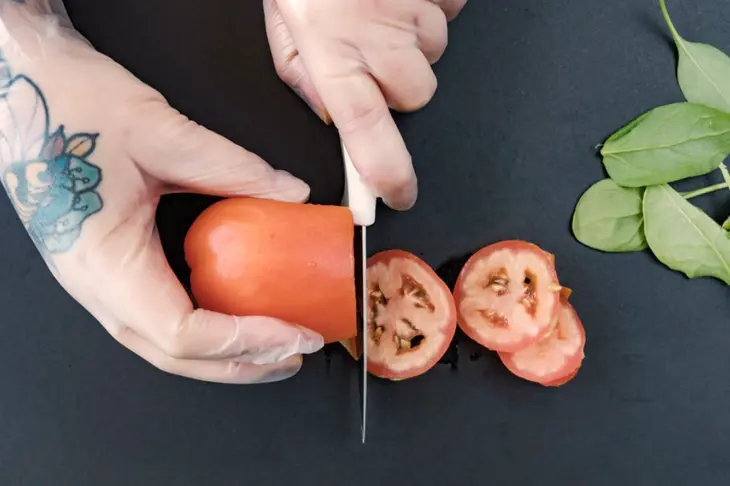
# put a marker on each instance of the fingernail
(307, 342)
(405, 198)
(323, 114)
(325, 117)
(311, 341)
(291, 188)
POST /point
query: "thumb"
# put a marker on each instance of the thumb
(148, 311)
(181, 153)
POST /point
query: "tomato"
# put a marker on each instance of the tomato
(556, 359)
(292, 261)
(411, 317)
(353, 346)
(562, 381)
(507, 295)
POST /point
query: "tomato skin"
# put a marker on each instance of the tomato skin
(562, 381)
(568, 371)
(460, 293)
(291, 261)
(382, 370)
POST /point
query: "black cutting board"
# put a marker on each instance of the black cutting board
(527, 90)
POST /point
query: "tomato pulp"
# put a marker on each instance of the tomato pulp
(411, 316)
(291, 261)
(508, 295)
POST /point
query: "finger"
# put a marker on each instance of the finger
(179, 152)
(406, 79)
(145, 295)
(288, 63)
(224, 371)
(432, 31)
(451, 8)
(368, 131)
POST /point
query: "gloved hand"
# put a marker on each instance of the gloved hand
(86, 151)
(353, 59)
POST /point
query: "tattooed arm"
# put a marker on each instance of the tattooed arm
(86, 152)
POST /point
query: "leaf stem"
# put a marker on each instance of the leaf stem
(670, 24)
(705, 190)
(725, 174)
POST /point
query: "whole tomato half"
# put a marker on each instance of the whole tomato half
(411, 316)
(291, 261)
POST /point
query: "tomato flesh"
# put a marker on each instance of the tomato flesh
(291, 261)
(507, 295)
(554, 360)
(411, 316)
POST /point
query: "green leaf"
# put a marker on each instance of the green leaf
(703, 71)
(683, 237)
(667, 144)
(609, 218)
(726, 224)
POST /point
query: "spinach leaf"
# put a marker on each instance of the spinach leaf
(726, 225)
(609, 218)
(703, 70)
(667, 144)
(683, 237)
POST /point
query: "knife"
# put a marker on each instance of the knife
(362, 202)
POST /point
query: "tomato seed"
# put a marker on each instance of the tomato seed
(495, 319)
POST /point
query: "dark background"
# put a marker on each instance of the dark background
(527, 90)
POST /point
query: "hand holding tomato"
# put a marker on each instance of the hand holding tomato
(352, 60)
(86, 152)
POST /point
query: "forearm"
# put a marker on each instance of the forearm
(37, 85)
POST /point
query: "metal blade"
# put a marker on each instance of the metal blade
(361, 287)
(362, 202)
(364, 330)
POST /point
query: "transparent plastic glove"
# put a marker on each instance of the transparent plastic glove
(86, 151)
(353, 59)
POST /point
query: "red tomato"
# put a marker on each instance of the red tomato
(291, 261)
(556, 359)
(507, 295)
(411, 318)
(562, 381)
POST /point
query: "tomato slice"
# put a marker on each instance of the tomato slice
(293, 261)
(507, 295)
(411, 318)
(556, 359)
(562, 381)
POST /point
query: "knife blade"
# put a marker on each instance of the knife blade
(362, 203)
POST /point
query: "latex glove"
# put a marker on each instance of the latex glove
(86, 151)
(353, 59)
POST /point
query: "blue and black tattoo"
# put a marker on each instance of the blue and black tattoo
(47, 174)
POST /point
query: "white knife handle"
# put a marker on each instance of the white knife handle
(358, 196)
